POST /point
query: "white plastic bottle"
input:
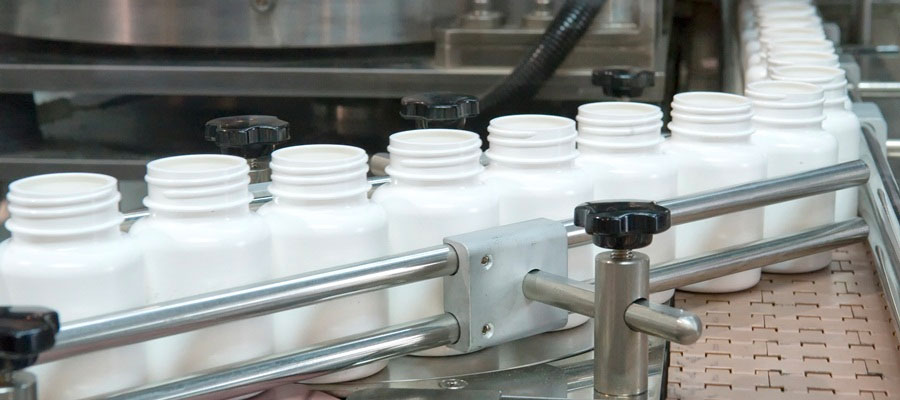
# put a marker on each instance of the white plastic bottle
(320, 217)
(788, 119)
(67, 253)
(806, 57)
(839, 122)
(435, 191)
(533, 172)
(621, 148)
(711, 144)
(200, 237)
(759, 62)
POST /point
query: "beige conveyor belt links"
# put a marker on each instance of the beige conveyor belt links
(821, 335)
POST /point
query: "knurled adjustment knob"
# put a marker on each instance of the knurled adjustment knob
(248, 136)
(439, 109)
(25, 332)
(622, 82)
(622, 225)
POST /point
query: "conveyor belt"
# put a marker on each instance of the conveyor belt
(821, 335)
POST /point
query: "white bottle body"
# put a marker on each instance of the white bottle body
(711, 146)
(711, 166)
(306, 240)
(320, 218)
(641, 177)
(422, 216)
(435, 192)
(787, 154)
(844, 126)
(201, 237)
(79, 275)
(187, 258)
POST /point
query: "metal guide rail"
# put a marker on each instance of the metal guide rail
(527, 275)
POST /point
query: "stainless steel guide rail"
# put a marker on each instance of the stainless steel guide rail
(196, 312)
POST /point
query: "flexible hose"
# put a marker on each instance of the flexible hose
(567, 27)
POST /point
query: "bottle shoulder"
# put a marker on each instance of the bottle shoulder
(246, 229)
(567, 180)
(83, 258)
(366, 217)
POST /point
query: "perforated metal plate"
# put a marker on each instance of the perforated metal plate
(821, 335)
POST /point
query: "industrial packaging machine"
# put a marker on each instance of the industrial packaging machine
(826, 334)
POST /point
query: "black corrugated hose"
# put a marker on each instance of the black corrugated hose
(569, 25)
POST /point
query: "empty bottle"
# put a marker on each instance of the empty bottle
(67, 253)
(435, 191)
(711, 145)
(788, 119)
(621, 148)
(533, 172)
(320, 217)
(201, 237)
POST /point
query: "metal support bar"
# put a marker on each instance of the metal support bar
(669, 323)
(158, 320)
(321, 359)
(732, 260)
(751, 195)
(576, 296)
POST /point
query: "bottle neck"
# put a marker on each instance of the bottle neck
(98, 236)
(466, 181)
(543, 166)
(69, 206)
(196, 185)
(645, 143)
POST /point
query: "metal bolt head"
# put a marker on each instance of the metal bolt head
(453, 383)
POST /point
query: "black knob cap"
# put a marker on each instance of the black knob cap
(622, 82)
(248, 136)
(25, 332)
(623, 225)
(439, 109)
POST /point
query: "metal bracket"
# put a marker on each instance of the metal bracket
(485, 295)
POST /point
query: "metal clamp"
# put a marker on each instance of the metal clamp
(485, 295)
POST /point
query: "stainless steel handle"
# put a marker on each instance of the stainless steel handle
(673, 324)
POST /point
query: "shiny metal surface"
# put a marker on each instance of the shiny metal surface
(758, 254)
(485, 294)
(559, 291)
(880, 206)
(669, 323)
(196, 312)
(751, 195)
(231, 381)
(228, 23)
(620, 354)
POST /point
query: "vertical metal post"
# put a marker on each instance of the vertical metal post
(620, 354)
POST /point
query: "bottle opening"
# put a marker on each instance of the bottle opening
(808, 73)
(711, 101)
(63, 184)
(434, 137)
(195, 166)
(820, 58)
(616, 109)
(532, 122)
(316, 155)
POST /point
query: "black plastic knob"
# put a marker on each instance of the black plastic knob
(622, 82)
(623, 225)
(248, 136)
(25, 332)
(439, 109)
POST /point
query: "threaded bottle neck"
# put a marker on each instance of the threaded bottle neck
(434, 155)
(64, 206)
(711, 116)
(319, 174)
(531, 140)
(619, 126)
(786, 104)
(198, 184)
